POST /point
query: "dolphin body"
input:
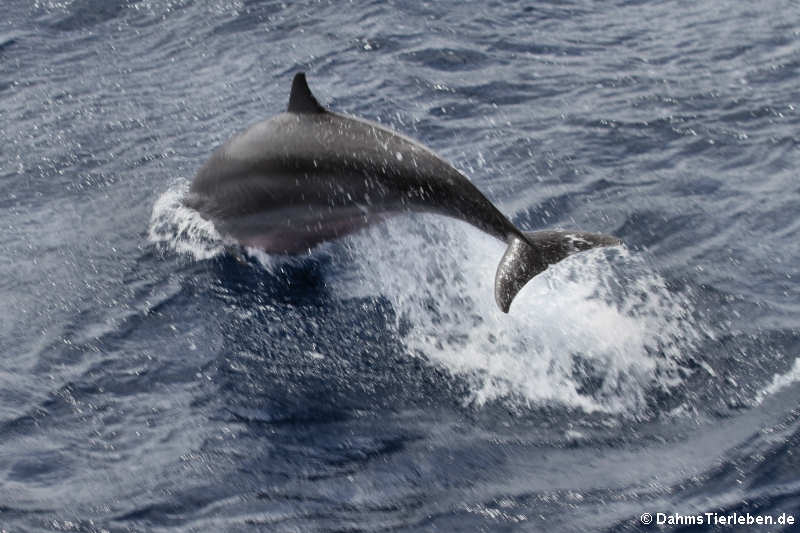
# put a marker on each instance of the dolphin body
(310, 175)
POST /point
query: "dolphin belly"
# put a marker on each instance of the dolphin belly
(280, 207)
(295, 230)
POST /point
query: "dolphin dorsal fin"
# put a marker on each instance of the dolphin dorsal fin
(301, 100)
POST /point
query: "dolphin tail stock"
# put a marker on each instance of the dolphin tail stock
(525, 258)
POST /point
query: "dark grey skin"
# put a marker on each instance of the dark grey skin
(311, 175)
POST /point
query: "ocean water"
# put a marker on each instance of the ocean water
(150, 381)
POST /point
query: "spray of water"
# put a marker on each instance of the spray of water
(599, 331)
(175, 227)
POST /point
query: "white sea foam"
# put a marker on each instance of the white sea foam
(598, 331)
(181, 229)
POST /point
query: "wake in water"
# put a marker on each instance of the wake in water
(599, 331)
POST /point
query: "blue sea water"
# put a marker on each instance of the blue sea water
(149, 381)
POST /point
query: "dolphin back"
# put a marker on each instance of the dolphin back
(526, 258)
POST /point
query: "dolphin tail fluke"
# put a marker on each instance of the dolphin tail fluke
(524, 259)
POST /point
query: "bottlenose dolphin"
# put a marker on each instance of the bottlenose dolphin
(311, 175)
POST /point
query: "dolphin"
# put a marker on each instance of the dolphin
(311, 175)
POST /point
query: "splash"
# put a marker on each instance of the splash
(178, 228)
(599, 331)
